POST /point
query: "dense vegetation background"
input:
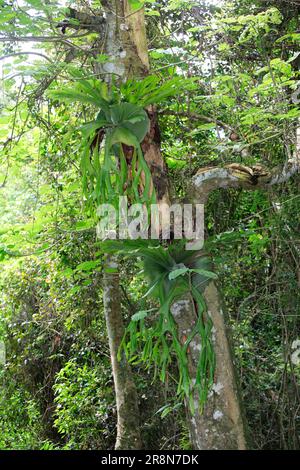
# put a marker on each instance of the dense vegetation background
(56, 388)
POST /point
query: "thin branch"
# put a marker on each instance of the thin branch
(197, 117)
(25, 53)
(61, 38)
(92, 23)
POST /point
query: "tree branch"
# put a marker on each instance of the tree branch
(92, 23)
(60, 38)
(25, 53)
(46, 82)
(197, 117)
(240, 176)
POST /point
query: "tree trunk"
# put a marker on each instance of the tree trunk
(128, 431)
(122, 63)
(221, 425)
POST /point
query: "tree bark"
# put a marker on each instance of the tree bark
(128, 431)
(221, 425)
(126, 48)
(122, 63)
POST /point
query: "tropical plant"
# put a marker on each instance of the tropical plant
(173, 273)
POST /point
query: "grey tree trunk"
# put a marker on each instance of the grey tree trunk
(128, 430)
(221, 425)
(121, 64)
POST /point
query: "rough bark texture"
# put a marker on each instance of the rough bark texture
(135, 24)
(128, 432)
(240, 176)
(221, 425)
(154, 159)
(122, 63)
(125, 40)
(236, 175)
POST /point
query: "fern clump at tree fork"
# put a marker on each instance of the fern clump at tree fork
(173, 273)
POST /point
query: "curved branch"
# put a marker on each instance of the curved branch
(240, 176)
(61, 38)
(25, 53)
(197, 117)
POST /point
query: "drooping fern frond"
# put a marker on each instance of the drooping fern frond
(173, 273)
(151, 90)
(118, 124)
(106, 176)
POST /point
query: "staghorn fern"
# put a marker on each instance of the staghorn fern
(173, 272)
(105, 174)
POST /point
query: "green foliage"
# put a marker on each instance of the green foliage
(251, 26)
(150, 90)
(43, 327)
(256, 256)
(83, 397)
(214, 70)
(105, 175)
(58, 357)
(136, 4)
(85, 91)
(174, 273)
(122, 121)
(20, 417)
